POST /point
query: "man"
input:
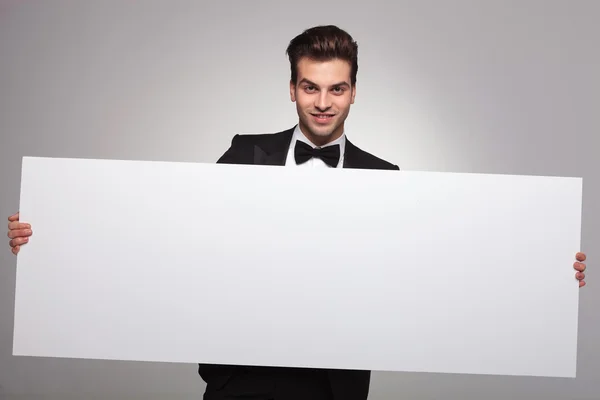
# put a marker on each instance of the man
(324, 66)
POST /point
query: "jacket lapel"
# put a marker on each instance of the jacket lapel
(273, 152)
(351, 159)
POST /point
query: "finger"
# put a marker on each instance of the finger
(14, 217)
(581, 283)
(15, 250)
(580, 276)
(18, 241)
(18, 225)
(580, 257)
(579, 266)
(13, 234)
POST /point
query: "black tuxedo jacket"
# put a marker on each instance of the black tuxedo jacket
(272, 149)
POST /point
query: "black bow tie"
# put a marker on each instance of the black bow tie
(329, 154)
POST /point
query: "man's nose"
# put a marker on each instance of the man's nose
(323, 101)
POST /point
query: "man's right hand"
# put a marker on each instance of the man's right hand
(18, 233)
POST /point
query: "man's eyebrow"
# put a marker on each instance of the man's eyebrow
(343, 83)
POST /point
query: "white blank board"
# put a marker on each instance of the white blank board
(267, 265)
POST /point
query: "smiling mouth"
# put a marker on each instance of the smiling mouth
(323, 116)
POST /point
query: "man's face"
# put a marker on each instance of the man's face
(323, 95)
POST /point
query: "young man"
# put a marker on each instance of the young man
(324, 65)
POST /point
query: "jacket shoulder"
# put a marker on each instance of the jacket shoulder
(379, 163)
(241, 149)
(258, 138)
(367, 160)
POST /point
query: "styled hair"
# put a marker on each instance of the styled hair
(323, 43)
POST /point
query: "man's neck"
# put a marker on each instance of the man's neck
(322, 140)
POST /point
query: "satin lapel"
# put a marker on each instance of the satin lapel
(273, 152)
(350, 156)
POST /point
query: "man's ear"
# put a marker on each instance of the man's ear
(292, 91)
(353, 93)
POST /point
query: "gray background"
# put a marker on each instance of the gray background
(462, 86)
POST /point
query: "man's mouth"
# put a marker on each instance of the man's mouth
(323, 116)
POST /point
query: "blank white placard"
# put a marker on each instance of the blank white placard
(264, 265)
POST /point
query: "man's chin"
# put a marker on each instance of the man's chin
(322, 131)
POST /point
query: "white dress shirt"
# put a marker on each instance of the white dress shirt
(313, 162)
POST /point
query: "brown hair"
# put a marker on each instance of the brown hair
(323, 43)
